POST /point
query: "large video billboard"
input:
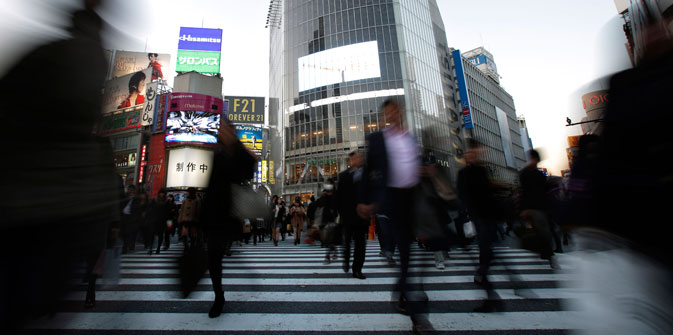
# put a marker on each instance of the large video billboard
(248, 110)
(126, 91)
(192, 126)
(126, 62)
(189, 167)
(251, 137)
(338, 65)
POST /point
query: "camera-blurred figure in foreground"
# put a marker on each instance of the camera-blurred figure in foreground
(62, 191)
(626, 265)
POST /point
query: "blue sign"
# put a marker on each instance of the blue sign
(204, 39)
(462, 90)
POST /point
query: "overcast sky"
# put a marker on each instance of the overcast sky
(548, 52)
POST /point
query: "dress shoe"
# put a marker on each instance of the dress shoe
(401, 307)
(346, 267)
(422, 326)
(218, 305)
(90, 301)
(489, 306)
(359, 275)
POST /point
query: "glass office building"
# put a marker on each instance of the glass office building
(332, 64)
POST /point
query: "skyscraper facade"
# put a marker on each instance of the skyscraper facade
(333, 63)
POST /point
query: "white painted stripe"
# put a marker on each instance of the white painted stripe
(345, 281)
(316, 263)
(309, 322)
(395, 270)
(375, 296)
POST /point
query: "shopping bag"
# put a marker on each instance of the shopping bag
(469, 229)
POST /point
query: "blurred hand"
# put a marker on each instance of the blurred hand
(365, 211)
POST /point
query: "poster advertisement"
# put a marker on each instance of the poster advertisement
(189, 167)
(272, 174)
(251, 137)
(126, 91)
(126, 62)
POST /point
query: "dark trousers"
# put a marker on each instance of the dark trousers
(486, 236)
(386, 234)
(398, 211)
(217, 246)
(355, 232)
(129, 232)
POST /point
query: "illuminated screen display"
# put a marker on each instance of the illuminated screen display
(192, 126)
(339, 65)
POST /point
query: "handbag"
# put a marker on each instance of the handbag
(246, 203)
(469, 229)
(192, 266)
(431, 218)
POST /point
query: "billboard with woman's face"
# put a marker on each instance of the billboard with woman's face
(126, 91)
(126, 62)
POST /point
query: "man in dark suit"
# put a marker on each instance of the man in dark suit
(355, 227)
(391, 173)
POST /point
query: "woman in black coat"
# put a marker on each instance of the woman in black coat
(232, 163)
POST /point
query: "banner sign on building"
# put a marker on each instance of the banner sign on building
(249, 110)
(119, 122)
(126, 62)
(265, 171)
(189, 167)
(199, 50)
(251, 137)
(195, 102)
(147, 118)
(155, 165)
(272, 174)
(160, 113)
(206, 39)
(259, 172)
(143, 163)
(125, 159)
(126, 91)
(462, 90)
(199, 61)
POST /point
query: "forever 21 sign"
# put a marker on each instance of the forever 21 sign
(248, 110)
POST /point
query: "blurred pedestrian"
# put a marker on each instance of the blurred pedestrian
(278, 219)
(131, 217)
(63, 186)
(535, 206)
(476, 192)
(326, 214)
(392, 171)
(232, 163)
(188, 217)
(355, 228)
(159, 213)
(298, 216)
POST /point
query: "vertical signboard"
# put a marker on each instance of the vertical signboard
(265, 171)
(462, 90)
(155, 165)
(149, 105)
(272, 174)
(259, 171)
(505, 137)
(143, 162)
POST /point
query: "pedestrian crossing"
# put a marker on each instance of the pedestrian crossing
(287, 289)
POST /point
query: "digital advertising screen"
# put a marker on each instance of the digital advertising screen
(339, 65)
(192, 127)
